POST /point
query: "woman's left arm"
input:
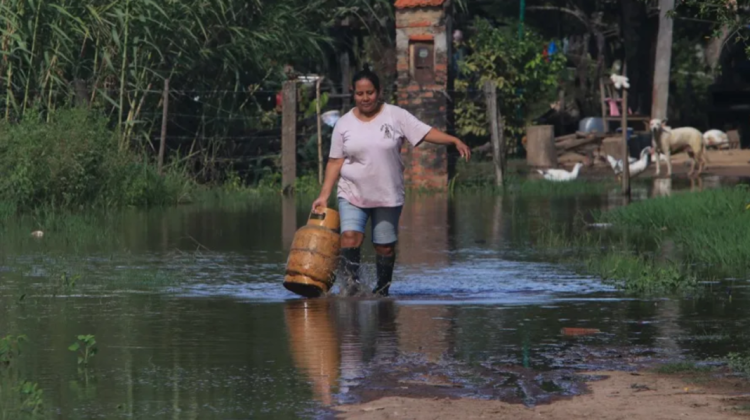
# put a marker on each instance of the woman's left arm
(436, 136)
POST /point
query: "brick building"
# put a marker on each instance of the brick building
(423, 50)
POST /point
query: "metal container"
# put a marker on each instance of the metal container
(591, 125)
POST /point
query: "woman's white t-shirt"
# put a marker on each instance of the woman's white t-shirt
(373, 172)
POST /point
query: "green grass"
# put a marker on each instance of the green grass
(480, 177)
(662, 245)
(681, 367)
(710, 229)
(606, 255)
(739, 362)
(641, 274)
(548, 188)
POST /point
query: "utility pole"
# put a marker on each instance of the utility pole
(663, 62)
(621, 82)
(521, 18)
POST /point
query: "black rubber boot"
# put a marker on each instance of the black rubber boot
(384, 268)
(350, 261)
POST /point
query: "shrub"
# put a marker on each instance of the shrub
(74, 161)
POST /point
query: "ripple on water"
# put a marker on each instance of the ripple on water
(213, 333)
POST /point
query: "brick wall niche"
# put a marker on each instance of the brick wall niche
(422, 54)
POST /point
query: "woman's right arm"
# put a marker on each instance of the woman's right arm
(333, 170)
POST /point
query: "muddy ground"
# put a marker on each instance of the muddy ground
(619, 396)
(723, 163)
(576, 378)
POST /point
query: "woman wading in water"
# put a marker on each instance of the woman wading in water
(365, 158)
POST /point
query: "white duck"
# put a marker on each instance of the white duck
(642, 163)
(616, 164)
(636, 166)
(561, 174)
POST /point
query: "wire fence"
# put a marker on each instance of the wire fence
(213, 132)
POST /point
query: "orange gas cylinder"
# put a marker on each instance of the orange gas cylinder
(314, 255)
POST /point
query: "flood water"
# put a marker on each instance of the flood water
(192, 322)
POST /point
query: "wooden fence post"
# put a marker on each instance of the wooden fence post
(540, 146)
(625, 154)
(289, 136)
(320, 133)
(288, 221)
(496, 133)
(164, 117)
(663, 61)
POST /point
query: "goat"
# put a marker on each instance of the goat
(665, 139)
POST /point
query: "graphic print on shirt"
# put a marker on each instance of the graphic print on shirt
(387, 130)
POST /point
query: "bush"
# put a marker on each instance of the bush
(73, 161)
(524, 76)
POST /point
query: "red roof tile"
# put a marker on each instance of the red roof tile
(403, 4)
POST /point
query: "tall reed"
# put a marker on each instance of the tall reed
(115, 55)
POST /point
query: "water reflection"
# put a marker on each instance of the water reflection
(662, 187)
(712, 181)
(314, 344)
(217, 337)
(423, 231)
(425, 330)
(334, 341)
(344, 346)
(288, 220)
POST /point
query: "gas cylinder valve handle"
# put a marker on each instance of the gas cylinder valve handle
(318, 216)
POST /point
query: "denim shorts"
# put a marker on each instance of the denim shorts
(384, 221)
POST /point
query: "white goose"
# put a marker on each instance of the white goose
(561, 174)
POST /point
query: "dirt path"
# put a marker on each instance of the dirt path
(720, 162)
(723, 163)
(622, 396)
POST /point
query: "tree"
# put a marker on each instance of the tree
(524, 76)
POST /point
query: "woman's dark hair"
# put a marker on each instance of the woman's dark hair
(368, 74)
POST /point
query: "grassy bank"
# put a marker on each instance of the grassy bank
(480, 177)
(711, 229)
(661, 245)
(74, 161)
